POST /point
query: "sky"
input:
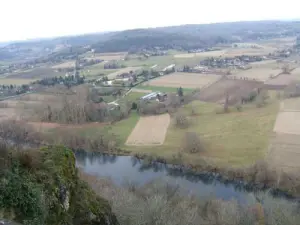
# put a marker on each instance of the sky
(26, 19)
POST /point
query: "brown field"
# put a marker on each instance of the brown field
(185, 80)
(259, 74)
(150, 130)
(235, 89)
(124, 70)
(201, 54)
(68, 64)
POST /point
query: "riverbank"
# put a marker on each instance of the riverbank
(161, 203)
(259, 175)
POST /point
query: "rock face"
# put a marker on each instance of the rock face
(40, 187)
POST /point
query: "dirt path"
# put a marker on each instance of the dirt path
(284, 149)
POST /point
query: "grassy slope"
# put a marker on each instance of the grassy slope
(236, 138)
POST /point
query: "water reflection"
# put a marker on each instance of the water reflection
(131, 169)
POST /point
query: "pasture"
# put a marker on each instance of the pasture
(230, 139)
(150, 130)
(185, 80)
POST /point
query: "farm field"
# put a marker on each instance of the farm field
(68, 64)
(233, 139)
(124, 70)
(37, 73)
(288, 122)
(148, 88)
(185, 80)
(133, 95)
(248, 51)
(107, 56)
(282, 79)
(234, 88)
(150, 130)
(291, 104)
(284, 150)
(17, 81)
(259, 74)
(201, 54)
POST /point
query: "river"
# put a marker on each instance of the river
(123, 169)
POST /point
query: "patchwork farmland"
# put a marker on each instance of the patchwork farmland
(185, 80)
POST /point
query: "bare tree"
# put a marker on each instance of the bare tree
(181, 120)
(192, 143)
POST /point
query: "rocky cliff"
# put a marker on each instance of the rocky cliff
(42, 187)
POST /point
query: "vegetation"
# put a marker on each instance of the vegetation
(42, 187)
(162, 203)
(231, 139)
(192, 143)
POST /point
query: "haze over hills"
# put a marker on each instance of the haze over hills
(182, 37)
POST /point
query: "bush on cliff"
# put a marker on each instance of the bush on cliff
(42, 187)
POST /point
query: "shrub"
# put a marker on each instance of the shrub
(192, 143)
(239, 107)
(181, 120)
(261, 99)
(134, 106)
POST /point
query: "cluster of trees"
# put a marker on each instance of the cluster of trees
(14, 89)
(84, 105)
(68, 81)
(113, 65)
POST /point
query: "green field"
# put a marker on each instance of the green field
(133, 96)
(162, 89)
(232, 139)
(163, 61)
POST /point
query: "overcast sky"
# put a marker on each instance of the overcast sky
(24, 19)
